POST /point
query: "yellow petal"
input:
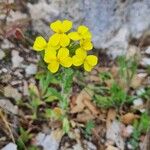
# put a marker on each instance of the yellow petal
(74, 36)
(56, 26)
(39, 44)
(66, 62)
(86, 44)
(81, 53)
(53, 66)
(91, 60)
(49, 44)
(66, 25)
(63, 53)
(77, 61)
(87, 67)
(50, 55)
(82, 29)
(64, 40)
(55, 39)
(87, 35)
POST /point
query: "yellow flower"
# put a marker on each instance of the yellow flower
(54, 60)
(86, 44)
(60, 37)
(39, 44)
(82, 33)
(81, 57)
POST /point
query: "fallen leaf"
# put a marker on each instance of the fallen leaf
(111, 148)
(79, 101)
(137, 80)
(91, 106)
(110, 117)
(128, 118)
(84, 116)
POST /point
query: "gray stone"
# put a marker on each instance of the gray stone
(10, 146)
(49, 142)
(31, 69)
(114, 134)
(112, 22)
(11, 92)
(2, 54)
(16, 59)
(8, 106)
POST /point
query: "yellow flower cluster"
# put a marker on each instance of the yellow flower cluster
(58, 48)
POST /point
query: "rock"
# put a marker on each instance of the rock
(133, 52)
(10, 146)
(41, 13)
(16, 15)
(6, 44)
(140, 91)
(16, 59)
(77, 146)
(127, 131)
(136, 14)
(31, 69)
(147, 51)
(118, 44)
(145, 61)
(138, 102)
(89, 145)
(49, 142)
(7, 105)
(9, 91)
(2, 54)
(114, 134)
(113, 23)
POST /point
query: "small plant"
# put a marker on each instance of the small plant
(88, 128)
(61, 54)
(24, 137)
(140, 127)
(116, 95)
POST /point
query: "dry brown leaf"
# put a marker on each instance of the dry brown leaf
(85, 116)
(128, 118)
(111, 148)
(91, 106)
(137, 80)
(93, 78)
(110, 117)
(79, 102)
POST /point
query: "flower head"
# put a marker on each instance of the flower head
(86, 44)
(55, 59)
(81, 57)
(82, 33)
(60, 37)
(39, 44)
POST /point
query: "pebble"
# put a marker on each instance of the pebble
(147, 51)
(49, 142)
(6, 44)
(138, 102)
(31, 69)
(140, 91)
(145, 61)
(9, 91)
(2, 54)
(10, 146)
(16, 59)
(7, 105)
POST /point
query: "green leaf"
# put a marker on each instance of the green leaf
(53, 92)
(66, 125)
(89, 126)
